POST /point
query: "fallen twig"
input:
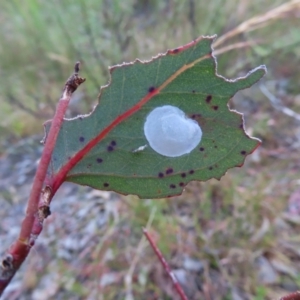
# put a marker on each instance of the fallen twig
(175, 282)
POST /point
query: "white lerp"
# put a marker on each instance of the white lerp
(170, 132)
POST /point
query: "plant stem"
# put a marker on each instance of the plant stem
(165, 265)
(39, 198)
(293, 296)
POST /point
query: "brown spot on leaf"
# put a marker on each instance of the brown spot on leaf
(208, 98)
(174, 51)
(195, 116)
(169, 171)
(151, 89)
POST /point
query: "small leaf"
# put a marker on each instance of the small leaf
(108, 149)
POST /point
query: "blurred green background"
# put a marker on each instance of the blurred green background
(41, 40)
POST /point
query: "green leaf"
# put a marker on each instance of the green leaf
(108, 149)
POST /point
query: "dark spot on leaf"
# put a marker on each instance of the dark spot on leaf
(110, 148)
(160, 175)
(99, 160)
(195, 116)
(216, 146)
(243, 152)
(169, 171)
(174, 51)
(201, 149)
(183, 175)
(151, 89)
(193, 91)
(208, 99)
(242, 126)
(210, 168)
(89, 165)
(215, 107)
(191, 172)
(181, 183)
(105, 184)
(113, 143)
(172, 186)
(81, 139)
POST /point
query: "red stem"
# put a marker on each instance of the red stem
(293, 296)
(37, 210)
(162, 260)
(41, 172)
